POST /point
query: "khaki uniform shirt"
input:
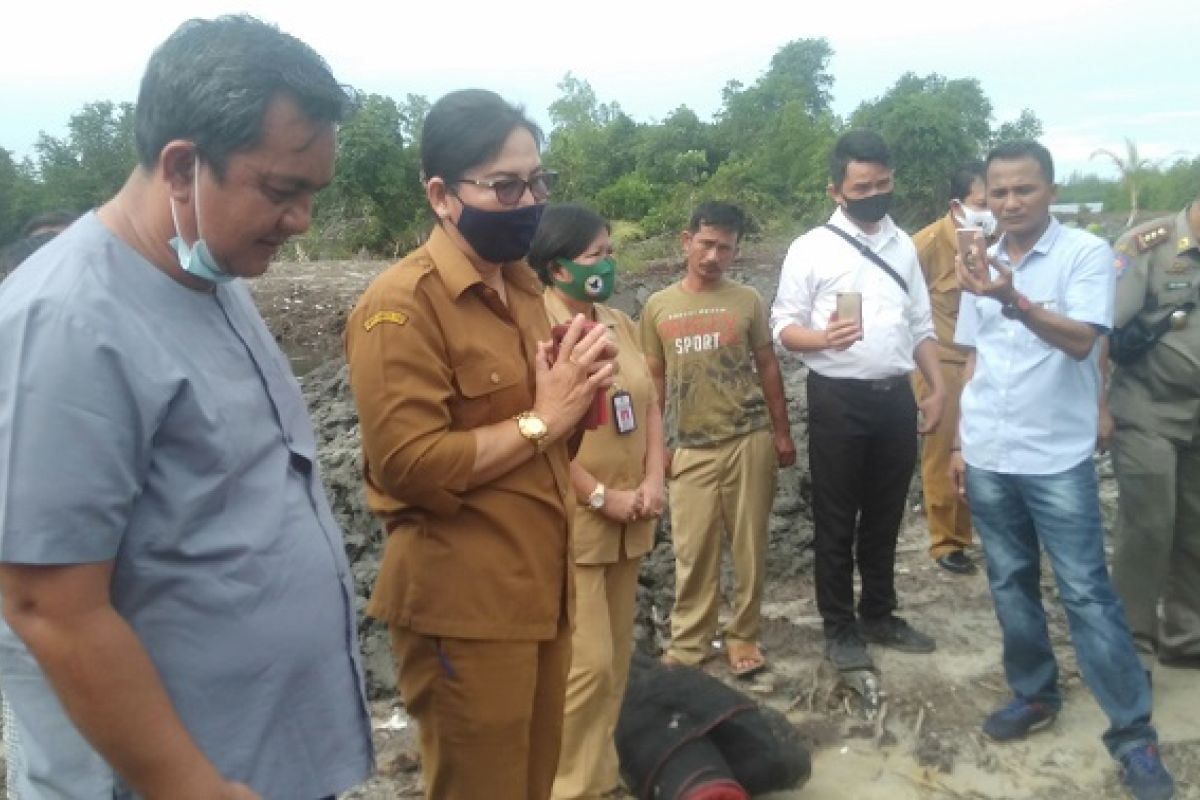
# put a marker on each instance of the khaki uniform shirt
(618, 460)
(433, 354)
(936, 247)
(1158, 268)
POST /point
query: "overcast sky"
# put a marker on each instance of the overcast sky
(1094, 71)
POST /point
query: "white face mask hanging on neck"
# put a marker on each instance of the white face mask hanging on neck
(196, 260)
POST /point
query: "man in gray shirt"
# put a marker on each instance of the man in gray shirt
(167, 553)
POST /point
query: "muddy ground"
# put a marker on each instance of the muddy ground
(928, 745)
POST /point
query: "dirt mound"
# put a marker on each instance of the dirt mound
(928, 744)
(306, 306)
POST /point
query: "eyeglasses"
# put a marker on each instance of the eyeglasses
(509, 191)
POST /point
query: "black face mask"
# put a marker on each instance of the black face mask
(500, 236)
(870, 209)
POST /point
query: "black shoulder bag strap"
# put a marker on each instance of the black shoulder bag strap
(870, 255)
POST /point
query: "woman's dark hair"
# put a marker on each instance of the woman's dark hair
(467, 128)
(565, 231)
(211, 82)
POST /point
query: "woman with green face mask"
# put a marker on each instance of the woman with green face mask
(618, 481)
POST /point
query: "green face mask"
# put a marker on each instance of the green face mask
(590, 283)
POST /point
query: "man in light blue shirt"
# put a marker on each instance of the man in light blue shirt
(167, 553)
(1029, 422)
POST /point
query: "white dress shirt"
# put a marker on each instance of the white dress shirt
(820, 264)
(1031, 409)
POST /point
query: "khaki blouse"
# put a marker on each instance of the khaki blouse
(433, 354)
(617, 460)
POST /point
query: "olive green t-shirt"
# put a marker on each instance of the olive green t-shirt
(706, 341)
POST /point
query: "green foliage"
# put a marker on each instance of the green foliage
(630, 197)
(18, 195)
(1134, 171)
(932, 125)
(1080, 188)
(675, 150)
(592, 145)
(1173, 187)
(1162, 189)
(375, 202)
(778, 133)
(89, 165)
(1025, 126)
(798, 73)
(765, 149)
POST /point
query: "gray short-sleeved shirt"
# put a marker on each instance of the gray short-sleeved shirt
(161, 428)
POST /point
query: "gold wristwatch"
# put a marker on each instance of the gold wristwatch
(533, 428)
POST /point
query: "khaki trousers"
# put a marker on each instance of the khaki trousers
(490, 713)
(601, 646)
(948, 515)
(725, 488)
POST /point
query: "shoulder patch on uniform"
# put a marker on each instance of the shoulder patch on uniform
(380, 317)
(1151, 238)
(1121, 263)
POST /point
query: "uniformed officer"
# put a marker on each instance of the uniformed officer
(948, 516)
(1154, 401)
(465, 428)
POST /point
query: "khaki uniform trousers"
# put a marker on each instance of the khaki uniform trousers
(490, 712)
(948, 515)
(605, 595)
(728, 487)
(1157, 553)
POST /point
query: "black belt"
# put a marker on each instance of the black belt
(865, 384)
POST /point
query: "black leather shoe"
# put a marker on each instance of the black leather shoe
(846, 650)
(956, 561)
(1179, 661)
(897, 634)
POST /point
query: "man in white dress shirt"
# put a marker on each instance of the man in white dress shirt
(862, 416)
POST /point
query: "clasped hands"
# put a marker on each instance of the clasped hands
(569, 374)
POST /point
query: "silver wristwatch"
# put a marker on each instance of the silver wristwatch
(596, 498)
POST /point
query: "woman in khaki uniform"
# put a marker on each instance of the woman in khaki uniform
(465, 425)
(618, 480)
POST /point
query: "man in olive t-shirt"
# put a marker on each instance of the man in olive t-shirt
(725, 416)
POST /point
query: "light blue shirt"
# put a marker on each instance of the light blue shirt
(160, 428)
(1030, 408)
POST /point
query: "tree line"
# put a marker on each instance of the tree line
(765, 149)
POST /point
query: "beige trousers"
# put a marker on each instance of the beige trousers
(601, 646)
(948, 515)
(726, 489)
(489, 712)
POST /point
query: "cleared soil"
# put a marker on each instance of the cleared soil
(929, 744)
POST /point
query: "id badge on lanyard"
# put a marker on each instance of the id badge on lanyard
(622, 412)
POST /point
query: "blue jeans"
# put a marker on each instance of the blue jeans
(1013, 514)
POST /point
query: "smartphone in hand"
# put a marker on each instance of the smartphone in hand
(972, 249)
(849, 306)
